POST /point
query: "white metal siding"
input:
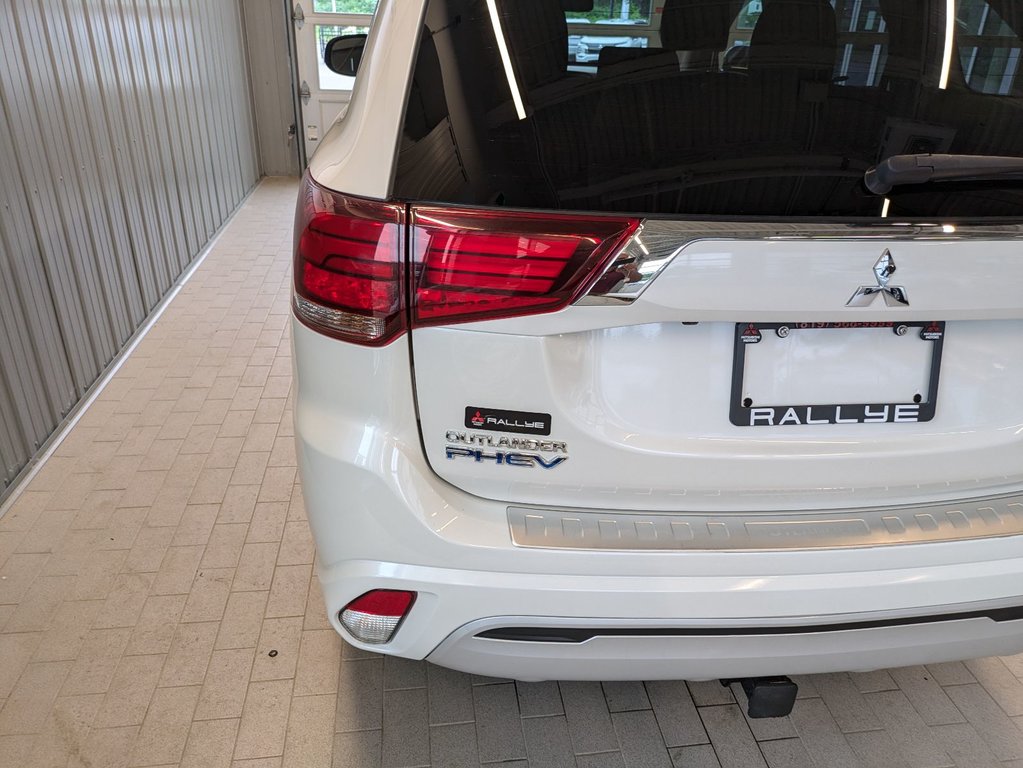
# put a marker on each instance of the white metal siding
(126, 140)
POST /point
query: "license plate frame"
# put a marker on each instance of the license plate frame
(743, 413)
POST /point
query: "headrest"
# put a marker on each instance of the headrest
(794, 33)
(696, 25)
(538, 39)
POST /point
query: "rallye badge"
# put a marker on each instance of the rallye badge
(519, 422)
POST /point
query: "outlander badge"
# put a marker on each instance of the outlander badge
(894, 295)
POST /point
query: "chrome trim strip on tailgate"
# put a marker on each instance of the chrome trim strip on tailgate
(616, 530)
(658, 242)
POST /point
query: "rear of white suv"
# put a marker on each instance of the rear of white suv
(628, 375)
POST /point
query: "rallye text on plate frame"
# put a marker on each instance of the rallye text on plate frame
(743, 413)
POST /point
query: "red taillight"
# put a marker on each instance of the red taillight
(349, 270)
(374, 617)
(477, 265)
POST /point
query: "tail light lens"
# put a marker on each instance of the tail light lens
(482, 264)
(466, 265)
(349, 266)
(374, 617)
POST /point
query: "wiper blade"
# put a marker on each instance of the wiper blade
(919, 169)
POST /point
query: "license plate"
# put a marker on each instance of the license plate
(835, 373)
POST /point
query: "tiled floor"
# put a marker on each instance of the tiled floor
(156, 609)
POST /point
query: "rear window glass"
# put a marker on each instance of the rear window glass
(711, 107)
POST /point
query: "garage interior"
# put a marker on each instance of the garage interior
(158, 599)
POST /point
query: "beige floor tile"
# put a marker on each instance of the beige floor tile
(9, 541)
(283, 453)
(242, 620)
(148, 550)
(73, 492)
(259, 762)
(35, 611)
(315, 608)
(224, 451)
(189, 655)
(277, 484)
(130, 690)
(98, 510)
(224, 547)
(297, 545)
(155, 627)
(160, 455)
(319, 662)
(261, 437)
(238, 504)
(288, 591)
(269, 411)
(107, 747)
(264, 720)
(27, 508)
(255, 567)
(68, 628)
(268, 522)
(143, 488)
(17, 575)
(246, 398)
(208, 598)
(309, 741)
(97, 661)
(236, 424)
(196, 525)
(15, 750)
(28, 706)
(184, 474)
(16, 650)
(161, 740)
(277, 651)
(65, 731)
(210, 744)
(177, 571)
(225, 684)
(125, 602)
(47, 531)
(210, 486)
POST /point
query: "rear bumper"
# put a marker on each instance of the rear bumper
(721, 654)
(382, 519)
(657, 627)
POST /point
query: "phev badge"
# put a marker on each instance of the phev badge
(894, 295)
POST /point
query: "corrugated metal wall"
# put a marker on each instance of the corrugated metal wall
(126, 140)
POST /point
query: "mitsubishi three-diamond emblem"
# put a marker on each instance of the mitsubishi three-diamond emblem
(894, 295)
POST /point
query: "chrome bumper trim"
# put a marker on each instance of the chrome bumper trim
(616, 530)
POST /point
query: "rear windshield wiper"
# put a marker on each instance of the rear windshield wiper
(919, 169)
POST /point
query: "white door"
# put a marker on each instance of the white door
(323, 95)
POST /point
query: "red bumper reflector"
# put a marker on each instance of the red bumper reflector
(375, 616)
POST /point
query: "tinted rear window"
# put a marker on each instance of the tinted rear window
(711, 107)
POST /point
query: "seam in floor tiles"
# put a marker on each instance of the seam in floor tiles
(52, 443)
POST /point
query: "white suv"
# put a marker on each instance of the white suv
(680, 369)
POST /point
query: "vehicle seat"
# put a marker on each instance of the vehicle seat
(693, 33)
(537, 35)
(698, 28)
(795, 34)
